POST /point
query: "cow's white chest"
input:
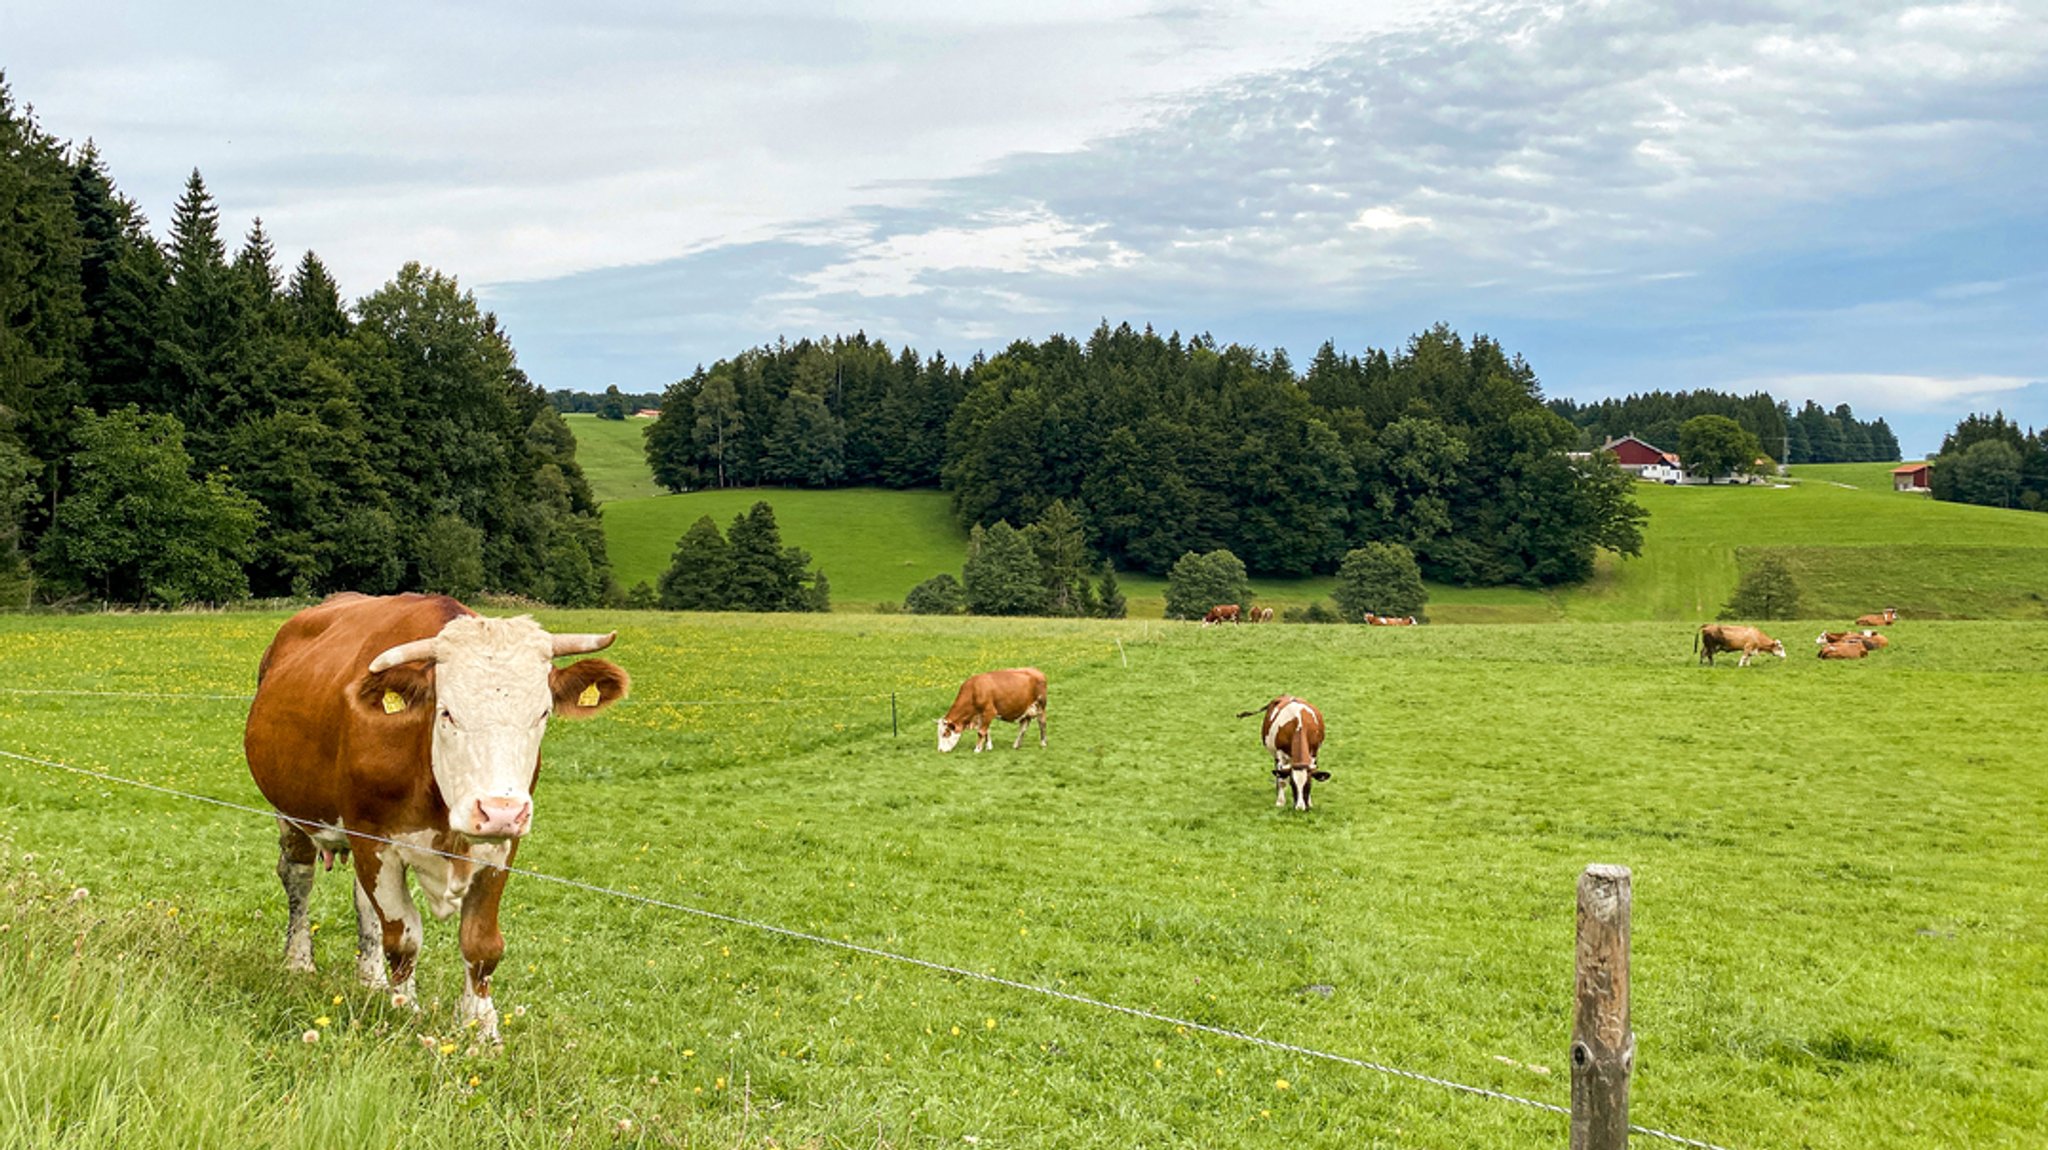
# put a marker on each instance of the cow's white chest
(444, 881)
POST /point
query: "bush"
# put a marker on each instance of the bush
(642, 597)
(1767, 590)
(1199, 582)
(939, 595)
(1315, 612)
(1379, 579)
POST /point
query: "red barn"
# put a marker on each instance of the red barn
(1911, 477)
(1632, 452)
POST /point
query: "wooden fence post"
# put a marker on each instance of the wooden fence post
(1603, 1046)
(893, 732)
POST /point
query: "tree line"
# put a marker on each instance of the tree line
(1810, 435)
(1161, 446)
(1989, 460)
(178, 423)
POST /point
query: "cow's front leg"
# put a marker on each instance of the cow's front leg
(483, 944)
(1744, 661)
(387, 922)
(295, 855)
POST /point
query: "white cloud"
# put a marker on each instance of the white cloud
(1011, 243)
(1872, 392)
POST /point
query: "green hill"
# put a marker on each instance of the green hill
(1855, 544)
(614, 456)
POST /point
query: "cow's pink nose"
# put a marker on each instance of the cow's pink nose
(502, 817)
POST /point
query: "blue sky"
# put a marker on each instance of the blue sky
(1841, 201)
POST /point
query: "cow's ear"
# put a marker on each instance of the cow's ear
(587, 686)
(405, 689)
(1319, 776)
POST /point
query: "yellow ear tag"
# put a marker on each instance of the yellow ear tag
(393, 702)
(589, 696)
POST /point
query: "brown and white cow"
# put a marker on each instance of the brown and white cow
(1259, 615)
(1014, 696)
(1389, 620)
(1870, 639)
(412, 719)
(1221, 613)
(1890, 615)
(1293, 732)
(1714, 637)
(1846, 649)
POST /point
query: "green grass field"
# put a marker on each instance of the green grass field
(613, 454)
(1840, 934)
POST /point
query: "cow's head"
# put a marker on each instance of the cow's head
(949, 735)
(489, 686)
(1778, 648)
(1299, 778)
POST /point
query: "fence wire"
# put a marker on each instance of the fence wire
(872, 952)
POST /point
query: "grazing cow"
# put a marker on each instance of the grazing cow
(1847, 649)
(1891, 615)
(1293, 732)
(1221, 613)
(1259, 615)
(1714, 637)
(415, 720)
(1389, 620)
(1014, 696)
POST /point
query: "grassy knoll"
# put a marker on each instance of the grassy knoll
(1840, 936)
(1947, 559)
(614, 457)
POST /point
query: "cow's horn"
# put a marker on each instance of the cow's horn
(581, 644)
(417, 651)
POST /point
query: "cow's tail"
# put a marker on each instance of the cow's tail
(1260, 711)
(1696, 642)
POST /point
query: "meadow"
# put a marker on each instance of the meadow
(1841, 939)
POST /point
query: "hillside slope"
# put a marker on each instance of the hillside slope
(1855, 544)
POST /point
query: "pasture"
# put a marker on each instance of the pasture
(1854, 543)
(1841, 938)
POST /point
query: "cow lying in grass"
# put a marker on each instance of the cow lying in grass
(1014, 696)
(1890, 615)
(1846, 649)
(1716, 637)
(1869, 639)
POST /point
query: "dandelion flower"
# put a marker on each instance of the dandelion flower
(956, 1032)
(689, 1054)
(399, 1000)
(719, 1084)
(1159, 1064)
(447, 1048)
(625, 1124)
(337, 1000)
(323, 1020)
(1279, 1084)
(476, 1080)
(310, 1037)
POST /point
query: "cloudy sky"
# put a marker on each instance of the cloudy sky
(1837, 200)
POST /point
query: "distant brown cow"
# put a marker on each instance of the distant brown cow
(1014, 696)
(1389, 620)
(1870, 639)
(1259, 615)
(1221, 613)
(1293, 732)
(1716, 637)
(1891, 615)
(1847, 649)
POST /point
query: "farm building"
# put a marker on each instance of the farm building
(1645, 461)
(1911, 477)
(648, 413)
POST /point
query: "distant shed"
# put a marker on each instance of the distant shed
(1911, 477)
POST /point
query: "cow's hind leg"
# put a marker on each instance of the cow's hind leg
(387, 922)
(483, 944)
(295, 855)
(1023, 725)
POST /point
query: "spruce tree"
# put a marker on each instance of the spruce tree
(1001, 575)
(700, 575)
(765, 575)
(1109, 597)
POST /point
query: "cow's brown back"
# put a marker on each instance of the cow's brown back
(1005, 694)
(310, 755)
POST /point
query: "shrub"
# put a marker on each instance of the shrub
(1315, 612)
(1767, 590)
(939, 595)
(1199, 582)
(1380, 579)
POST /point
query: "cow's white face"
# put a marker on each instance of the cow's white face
(949, 736)
(492, 700)
(1296, 781)
(1778, 648)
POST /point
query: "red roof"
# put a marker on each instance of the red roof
(1907, 468)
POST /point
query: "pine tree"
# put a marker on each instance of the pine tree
(766, 575)
(313, 301)
(700, 575)
(939, 595)
(1060, 541)
(1001, 575)
(1109, 598)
